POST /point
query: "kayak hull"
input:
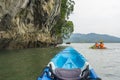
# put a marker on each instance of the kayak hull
(68, 59)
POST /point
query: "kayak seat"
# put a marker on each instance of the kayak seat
(67, 74)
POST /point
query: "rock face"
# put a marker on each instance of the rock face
(28, 23)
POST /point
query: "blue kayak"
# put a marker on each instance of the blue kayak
(68, 65)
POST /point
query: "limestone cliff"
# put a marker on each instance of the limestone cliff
(28, 23)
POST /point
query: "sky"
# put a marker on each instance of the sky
(97, 16)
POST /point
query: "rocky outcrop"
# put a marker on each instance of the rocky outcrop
(28, 23)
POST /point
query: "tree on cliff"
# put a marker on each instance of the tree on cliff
(64, 28)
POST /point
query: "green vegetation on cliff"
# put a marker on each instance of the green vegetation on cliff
(64, 28)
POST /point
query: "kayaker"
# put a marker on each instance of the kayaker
(96, 45)
(101, 45)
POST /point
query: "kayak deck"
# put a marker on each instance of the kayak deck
(69, 61)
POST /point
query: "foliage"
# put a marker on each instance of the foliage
(67, 7)
(67, 29)
(64, 28)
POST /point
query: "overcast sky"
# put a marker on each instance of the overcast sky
(97, 16)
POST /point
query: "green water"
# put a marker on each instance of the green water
(25, 64)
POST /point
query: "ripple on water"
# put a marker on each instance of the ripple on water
(105, 62)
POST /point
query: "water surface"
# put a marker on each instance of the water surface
(25, 64)
(106, 62)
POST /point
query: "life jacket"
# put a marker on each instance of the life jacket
(96, 45)
(101, 45)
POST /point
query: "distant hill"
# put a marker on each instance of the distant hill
(91, 38)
